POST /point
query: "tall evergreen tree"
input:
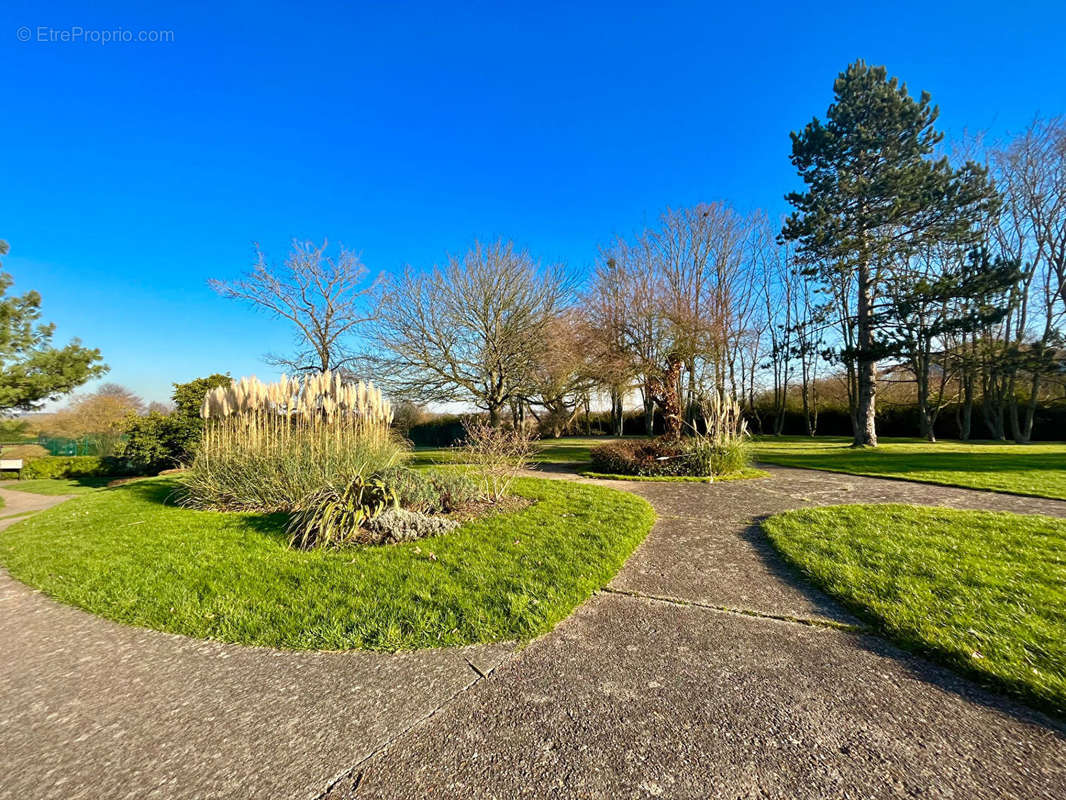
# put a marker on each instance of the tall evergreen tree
(31, 369)
(875, 195)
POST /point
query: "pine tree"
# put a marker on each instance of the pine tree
(875, 195)
(31, 369)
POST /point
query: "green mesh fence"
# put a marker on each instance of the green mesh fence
(59, 446)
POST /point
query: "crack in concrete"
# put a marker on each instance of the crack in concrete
(357, 770)
(812, 622)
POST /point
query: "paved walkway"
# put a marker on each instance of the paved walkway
(703, 670)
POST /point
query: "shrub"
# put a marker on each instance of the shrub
(396, 525)
(71, 467)
(498, 454)
(651, 458)
(414, 489)
(430, 491)
(154, 442)
(332, 516)
(159, 441)
(274, 447)
(457, 490)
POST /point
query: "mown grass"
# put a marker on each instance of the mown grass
(982, 592)
(744, 474)
(1038, 469)
(57, 486)
(128, 554)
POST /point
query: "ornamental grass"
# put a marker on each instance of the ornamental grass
(270, 446)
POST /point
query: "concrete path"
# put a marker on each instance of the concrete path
(18, 505)
(704, 670)
(96, 710)
(707, 671)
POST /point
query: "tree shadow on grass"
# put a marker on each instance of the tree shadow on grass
(922, 663)
(824, 605)
(167, 492)
(894, 462)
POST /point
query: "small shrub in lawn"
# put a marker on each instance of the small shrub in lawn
(395, 525)
(723, 445)
(497, 454)
(457, 490)
(333, 517)
(717, 444)
(650, 458)
(414, 489)
(431, 491)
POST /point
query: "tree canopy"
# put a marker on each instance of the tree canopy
(32, 371)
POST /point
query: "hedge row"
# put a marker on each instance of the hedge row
(70, 467)
(1049, 423)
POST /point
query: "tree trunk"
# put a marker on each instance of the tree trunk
(779, 420)
(925, 422)
(1012, 411)
(807, 410)
(866, 405)
(1030, 410)
(649, 410)
(965, 421)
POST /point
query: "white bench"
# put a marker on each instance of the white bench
(10, 463)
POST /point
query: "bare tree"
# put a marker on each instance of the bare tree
(471, 331)
(1031, 172)
(605, 312)
(685, 306)
(808, 346)
(325, 297)
(563, 378)
(779, 289)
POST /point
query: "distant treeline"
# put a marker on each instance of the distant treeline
(1049, 424)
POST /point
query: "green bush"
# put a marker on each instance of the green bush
(414, 488)
(734, 456)
(71, 467)
(649, 458)
(156, 442)
(332, 517)
(455, 489)
(430, 491)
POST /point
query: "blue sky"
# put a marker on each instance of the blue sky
(134, 172)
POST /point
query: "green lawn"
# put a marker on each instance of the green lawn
(1029, 469)
(983, 592)
(127, 554)
(54, 486)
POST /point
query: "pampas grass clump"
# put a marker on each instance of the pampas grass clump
(269, 447)
(724, 445)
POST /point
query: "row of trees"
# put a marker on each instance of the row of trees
(901, 262)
